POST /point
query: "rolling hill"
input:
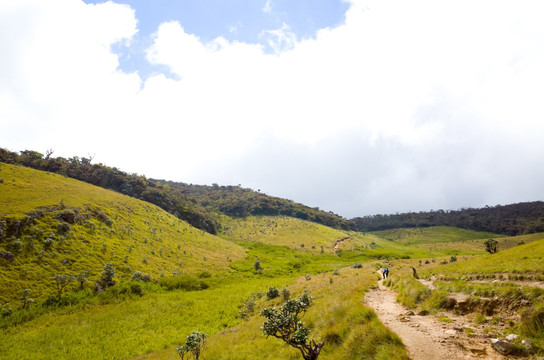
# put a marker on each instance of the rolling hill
(51, 225)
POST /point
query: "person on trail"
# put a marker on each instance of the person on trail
(385, 273)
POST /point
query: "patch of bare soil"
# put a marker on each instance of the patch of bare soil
(339, 242)
(426, 337)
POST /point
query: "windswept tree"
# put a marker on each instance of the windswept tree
(194, 344)
(62, 281)
(286, 324)
(491, 246)
(107, 278)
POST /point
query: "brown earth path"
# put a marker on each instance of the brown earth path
(425, 337)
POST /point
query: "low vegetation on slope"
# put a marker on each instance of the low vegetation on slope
(434, 234)
(52, 225)
(300, 235)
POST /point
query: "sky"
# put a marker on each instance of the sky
(358, 107)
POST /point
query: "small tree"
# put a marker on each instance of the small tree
(62, 281)
(194, 343)
(286, 324)
(81, 278)
(272, 293)
(491, 246)
(26, 299)
(107, 278)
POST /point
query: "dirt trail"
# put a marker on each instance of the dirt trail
(339, 242)
(424, 336)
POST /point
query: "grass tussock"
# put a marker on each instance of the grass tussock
(410, 292)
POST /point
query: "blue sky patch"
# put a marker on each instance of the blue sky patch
(235, 20)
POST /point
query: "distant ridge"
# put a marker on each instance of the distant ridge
(514, 219)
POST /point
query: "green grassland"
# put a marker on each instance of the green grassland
(477, 246)
(433, 234)
(527, 258)
(88, 226)
(301, 235)
(337, 315)
(55, 225)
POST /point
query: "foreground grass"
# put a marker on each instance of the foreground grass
(128, 328)
(337, 316)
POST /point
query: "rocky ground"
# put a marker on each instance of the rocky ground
(442, 336)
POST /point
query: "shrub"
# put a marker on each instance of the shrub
(272, 293)
(48, 243)
(16, 245)
(106, 280)
(138, 276)
(204, 275)
(183, 282)
(491, 245)
(286, 324)
(357, 266)
(532, 322)
(194, 343)
(285, 294)
(63, 227)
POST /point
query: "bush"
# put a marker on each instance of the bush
(106, 280)
(204, 275)
(285, 294)
(138, 276)
(357, 266)
(272, 293)
(532, 322)
(183, 282)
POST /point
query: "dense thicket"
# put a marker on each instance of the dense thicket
(137, 186)
(196, 204)
(515, 219)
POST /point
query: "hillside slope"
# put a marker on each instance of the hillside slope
(51, 224)
(299, 235)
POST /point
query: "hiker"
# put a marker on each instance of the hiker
(385, 273)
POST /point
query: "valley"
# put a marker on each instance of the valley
(59, 298)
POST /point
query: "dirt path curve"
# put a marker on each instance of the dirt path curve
(339, 242)
(424, 336)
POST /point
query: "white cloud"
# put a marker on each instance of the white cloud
(267, 8)
(405, 106)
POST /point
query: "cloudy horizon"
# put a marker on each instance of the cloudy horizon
(356, 107)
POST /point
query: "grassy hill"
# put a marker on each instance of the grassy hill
(434, 234)
(53, 225)
(300, 235)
